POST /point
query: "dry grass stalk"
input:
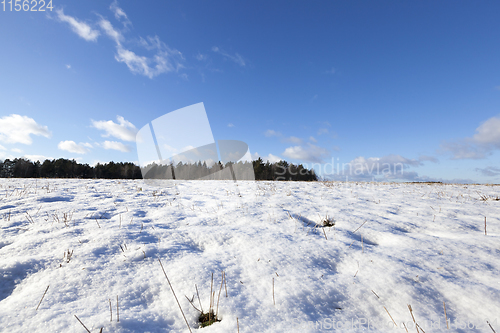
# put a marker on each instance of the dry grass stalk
(375, 294)
(199, 300)
(218, 298)
(390, 316)
(171, 288)
(412, 317)
(485, 225)
(110, 311)
(418, 327)
(490, 326)
(82, 323)
(117, 310)
(360, 226)
(273, 293)
(42, 298)
(325, 234)
(446, 316)
(191, 302)
(238, 324)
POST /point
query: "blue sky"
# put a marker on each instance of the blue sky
(338, 82)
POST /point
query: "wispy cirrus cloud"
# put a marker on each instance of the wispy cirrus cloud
(270, 133)
(164, 60)
(73, 147)
(236, 58)
(81, 28)
(123, 129)
(119, 13)
(480, 145)
(18, 129)
(159, 60)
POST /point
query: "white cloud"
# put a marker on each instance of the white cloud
(165, 60)
(230, 125)
(293, 139)
(312, 139)
(82, 29)
(330, 71)
(309, 153)
(184, 149)
(116, 146)
(16, 150)
(488, 133)
(270, 133)
(2, 148)
(390, 167)
(119, 13)
(238, 59)
(271, 158)
(170, 149)
(17, 129)
(39, 158)
(123, 130)
(481, 144)
(68, 66)
(389, 163)
(464, 149)
(110, 31)
(489, 171)
(322, 131)
(201, 57)
(428, 158)
(73, 147)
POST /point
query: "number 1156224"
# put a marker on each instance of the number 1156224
(26, 5)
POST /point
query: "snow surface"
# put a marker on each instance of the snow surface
(421, 245)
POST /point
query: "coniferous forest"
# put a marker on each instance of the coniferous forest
(64, 168)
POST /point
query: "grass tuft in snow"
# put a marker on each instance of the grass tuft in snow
(328, 221)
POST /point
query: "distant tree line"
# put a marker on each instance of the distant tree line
(64, 168)
(282, 170)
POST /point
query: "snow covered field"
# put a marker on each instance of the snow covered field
(392, 245)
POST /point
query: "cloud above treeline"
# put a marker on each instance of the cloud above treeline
(19, 129)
